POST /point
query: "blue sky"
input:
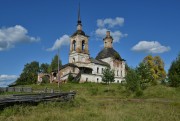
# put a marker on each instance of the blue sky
(28, 28)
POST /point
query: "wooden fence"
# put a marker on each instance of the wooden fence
(16, 89)
(35, 98)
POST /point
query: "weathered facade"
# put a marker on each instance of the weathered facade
(86, 69)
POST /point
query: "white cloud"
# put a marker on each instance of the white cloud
(104, 25)
(117, 35)
(12, 35)
(5, 80)
(8, 77)
(64, 40)
(150, 47)
(118, 21)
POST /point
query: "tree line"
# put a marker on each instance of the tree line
(151, 72)
(30, 72)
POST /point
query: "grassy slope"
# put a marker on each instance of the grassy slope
(94, 103)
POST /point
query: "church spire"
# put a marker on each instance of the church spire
(79, 24)
(79, 17)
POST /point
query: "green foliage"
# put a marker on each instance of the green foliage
(139, 93)
(156, 66)
(158, 103)
(132, 80)
(54, 63)
(70, 78)
(44, 68)
(174, 73)
(29, 74)
(145, 75)
(45, 79)
(108, 75)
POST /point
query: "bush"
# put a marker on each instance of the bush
(45, 79)
(174, 73)
(70, 78)
(132, 80)
(139, 93)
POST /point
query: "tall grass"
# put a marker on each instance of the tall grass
(94, 103)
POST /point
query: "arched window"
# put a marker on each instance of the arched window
(117, 72)
(102, 70)
(97, 70)
(83, 45)
(74, 45)
(97, 80)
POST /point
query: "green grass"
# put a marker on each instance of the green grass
(94, 102)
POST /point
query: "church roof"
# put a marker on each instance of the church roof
(99, 62)
(108, 52)
(64, 66)
(79, 32)
(69, 64)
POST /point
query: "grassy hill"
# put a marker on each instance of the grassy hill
(94, 102)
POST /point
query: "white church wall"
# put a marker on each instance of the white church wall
(97, 69)
(97, 78)
(91, 78)
(119, 70)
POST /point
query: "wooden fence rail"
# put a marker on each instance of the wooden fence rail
(16, 89)
(35, 98)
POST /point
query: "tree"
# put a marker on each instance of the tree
(70, 77)
(174, 73)
(156, 66)
(132, 80)
(44, 68)
(29, 74)
(54, 63)
(145, 75)
(108, 75)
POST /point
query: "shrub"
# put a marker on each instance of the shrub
(132, 80)
(139, 93)
(70, 78)
(174, 73)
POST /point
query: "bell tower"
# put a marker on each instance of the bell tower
(79, 51)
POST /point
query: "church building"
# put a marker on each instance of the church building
(85, 68)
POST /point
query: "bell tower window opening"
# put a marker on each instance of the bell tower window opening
(97, 70)
(73, 69)
(83, 45)
(73, 60)
(74, 45)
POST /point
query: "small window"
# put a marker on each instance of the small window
(117, 72)
(97, 80)
(86, 79)
(117, 81)
(121, 73)
(102, 70)
(73, 69)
